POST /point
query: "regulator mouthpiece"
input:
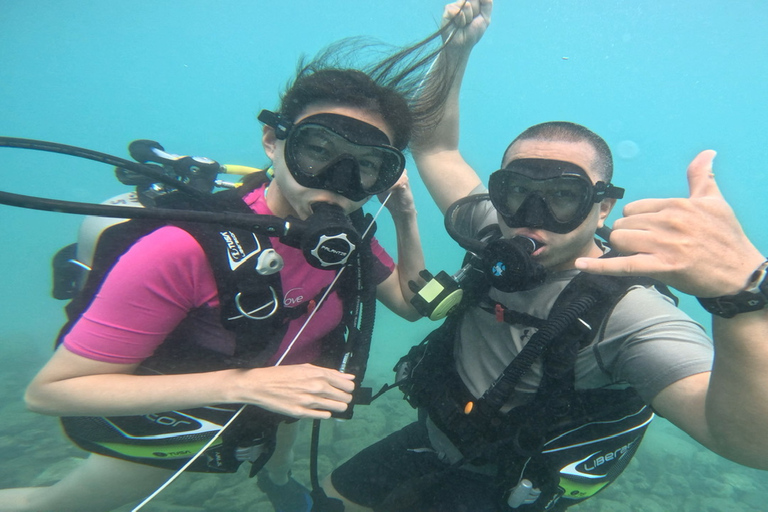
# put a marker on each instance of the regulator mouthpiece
(508, 264)
(327, 238)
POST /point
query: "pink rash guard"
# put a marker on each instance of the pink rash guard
(165, 280)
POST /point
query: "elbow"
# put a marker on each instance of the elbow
(36, 401)
(409, 313)
(733, 448)
(742, 442)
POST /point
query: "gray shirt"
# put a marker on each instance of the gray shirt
(646, 342)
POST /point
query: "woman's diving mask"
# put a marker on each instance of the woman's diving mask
(546, 194)
(338, 153)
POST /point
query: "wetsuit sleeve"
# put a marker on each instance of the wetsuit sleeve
(383, 264)
(144, 297)
(650, 343)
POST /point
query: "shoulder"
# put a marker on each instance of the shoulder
(168, 245)
(649, 342)
(169, 261)
(645, 304)
(644, 312)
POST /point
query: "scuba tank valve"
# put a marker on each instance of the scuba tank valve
(505, 264)
(441, 293)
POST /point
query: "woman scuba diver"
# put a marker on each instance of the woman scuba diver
(154, 338)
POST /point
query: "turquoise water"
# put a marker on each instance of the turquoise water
(659, 81)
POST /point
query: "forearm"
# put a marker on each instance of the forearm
(124, 395)
(737, 399)
(436, 144)
(70, 385)
(410, 256)
(441, 166)
(444, 136)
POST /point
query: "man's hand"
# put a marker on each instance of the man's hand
(470, 19)
(695, 245)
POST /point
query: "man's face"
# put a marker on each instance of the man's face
(559, 251)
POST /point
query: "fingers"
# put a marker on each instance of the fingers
(453, 14)
(402, 182)
(642, 206)
(695, 244)
(463, 12)
(486, 7)
(342, 381)
(323, 400)
(399, 197)
(701, 183)
(635, 265)
(300, 391)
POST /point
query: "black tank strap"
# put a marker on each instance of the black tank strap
(557, 324)
(573, 321)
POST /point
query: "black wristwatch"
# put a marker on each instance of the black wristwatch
(754, 298)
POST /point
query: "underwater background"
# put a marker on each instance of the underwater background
(660, 81)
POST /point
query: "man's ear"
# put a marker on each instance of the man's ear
(269, 141)
(606, 205)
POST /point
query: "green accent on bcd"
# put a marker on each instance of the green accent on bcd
(578, 490)
(169, 452)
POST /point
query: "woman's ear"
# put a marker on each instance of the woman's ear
(269, 141)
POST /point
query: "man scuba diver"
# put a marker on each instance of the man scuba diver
(535, 392)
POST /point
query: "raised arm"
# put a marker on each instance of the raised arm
(697, 245)
(394, 292)
(436, 151)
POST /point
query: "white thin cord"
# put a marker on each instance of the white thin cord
(381, 209)
(330, 287)
(216, 436)
(202, 450)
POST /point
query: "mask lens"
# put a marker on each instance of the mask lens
(312, 149)
(565, 197)
(315, 153)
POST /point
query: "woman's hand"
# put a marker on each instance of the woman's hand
(299, 391)
(400, 200)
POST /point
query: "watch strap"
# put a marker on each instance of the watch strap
(753, 298)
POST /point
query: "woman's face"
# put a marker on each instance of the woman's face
(285, 196)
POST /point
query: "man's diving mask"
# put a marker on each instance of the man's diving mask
(338, 153)
(546, 194)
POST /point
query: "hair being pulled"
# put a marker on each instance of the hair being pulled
(361, 73)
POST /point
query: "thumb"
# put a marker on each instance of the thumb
(701, 179)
